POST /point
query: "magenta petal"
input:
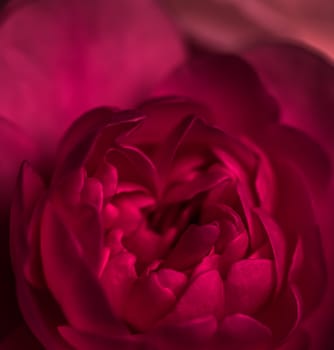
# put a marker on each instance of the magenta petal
(88, 232)
(203, 182)
(194, 244)
(169, 111)
(15, 147)
(134, 166)
(302, 150)
(203, 297)
(167, 150)
(228, 86)
(117, 280)
(69, 279)
(30, 189)
(92, 135)
(192, 334)
(278, 245)
(302, 82)
(88, 341)
(39, 311)
(248, 285)
(20, 338)
(241, 332)
(148, 301)
(288, 305)
(298, 340)
(100, 53)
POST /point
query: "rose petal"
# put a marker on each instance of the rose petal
(241, 332)
(249, 285)
(228, 86)
(169, 110)
(88, 341)
(38, 309)
(117, 280)
(99, 54)
(299, 340)
(204, 181)
(304, 90)
(15, 147)
(192, 334)
(92, 134)
(288, 306)
(75, 289)
(203, 297)
(134, 166)
(303, 151)
(92, 194)
(278, 244)
(148, 301)
(193, 245)
(219, 24)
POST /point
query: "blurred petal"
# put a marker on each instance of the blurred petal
(38, 309)
(303, 84)
(87, 341)
(228, 86)
(15, 147)
(192, 334)
(60, 58)
(241, 332)
(20, 338)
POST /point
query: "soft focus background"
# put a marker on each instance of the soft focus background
(237, 24)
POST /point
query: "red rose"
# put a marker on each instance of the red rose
(161, 229)
(191, 221)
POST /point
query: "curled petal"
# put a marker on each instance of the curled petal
(190, 334)
(39, 310)
(228, 86)
(88, 311)
(148, 301)
(117, 280)
(194, 244)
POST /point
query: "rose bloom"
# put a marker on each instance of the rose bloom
(187, 212)
(238, 24)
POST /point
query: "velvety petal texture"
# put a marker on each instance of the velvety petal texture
(101, 53)
(196, 218)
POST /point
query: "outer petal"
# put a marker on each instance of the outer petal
(60, 58)
(39, 311)
(228, 86)
(217, 23)
(19, 339)
(303, 84)
(15, 147)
